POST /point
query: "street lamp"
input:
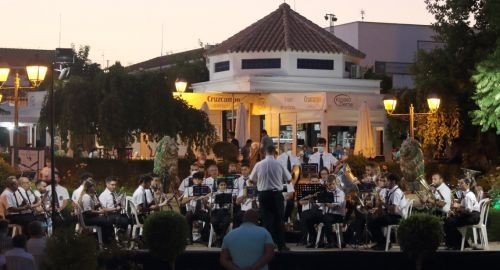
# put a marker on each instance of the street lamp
(36, 74)
(390, 102)
(181, 85)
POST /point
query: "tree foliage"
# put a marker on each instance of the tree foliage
(487, 95)
(116, 105)
(440, 129)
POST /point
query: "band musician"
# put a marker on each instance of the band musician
(462, 213)
(393, 207)
(220, 211)
(143, 197)
(111, 203)
(197, 207)
(441, 200)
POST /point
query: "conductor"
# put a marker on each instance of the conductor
(270, 177)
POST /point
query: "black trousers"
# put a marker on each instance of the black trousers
(221, 218)
(119, 220)
(272, 212)
(376, 224)
(198, 215)
(104, 223)
(21, 219)
(308, 219)
(290, 204)
(452, 237)
(328, 221)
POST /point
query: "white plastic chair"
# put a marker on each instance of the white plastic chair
(212, 233)
(81, 225)
(406, 213)
(337, 228)
(138, 226)
(484, 206)
(19, 263)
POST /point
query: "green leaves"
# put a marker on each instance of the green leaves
(487, 94)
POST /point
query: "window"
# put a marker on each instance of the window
(314, 64)
(261, 63)
(221, 66)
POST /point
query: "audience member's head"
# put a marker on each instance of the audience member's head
(251, 216)
(35, 229)
(19, 241)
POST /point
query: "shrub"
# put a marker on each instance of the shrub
(165, 235)
(494, 225)
(420, 236)
(67, 250)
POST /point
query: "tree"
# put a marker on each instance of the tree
(467, 32)
(487, 95)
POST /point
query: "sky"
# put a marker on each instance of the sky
(130, 31)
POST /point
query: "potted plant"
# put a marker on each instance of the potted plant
(67, 250)
(420, 236)
(165, 235)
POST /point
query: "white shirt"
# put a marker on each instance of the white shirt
(239, 184)
(469, 202)
(138, 196)
(191, 206)
(283, 159)
(88, 203)
(62, 193)
(76, 194)
(209, 181)
(338, 200)
(106, 199)
(395, 196)
(329, 161)
(289, 189)
(25, 195)
(445, 192)
(246, 204)
(11, 201)
(185, 183)
(269, 174)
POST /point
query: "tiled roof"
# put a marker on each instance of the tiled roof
(167, 60)
(285, 29)
(22, 57)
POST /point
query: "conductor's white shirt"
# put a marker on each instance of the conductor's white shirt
(269, 174)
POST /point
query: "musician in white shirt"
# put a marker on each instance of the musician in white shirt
(24, 193)
(143, 196)
(465, 212)
(395, 204)
(323, 158)
(213, 173)
(76, 193)
(246, 201)
(333, 212)
(196, 207)
(310, 214)
(187, 182)
(62, 197)
(442, 194)
(111, 203)
(220, 217)
(15, 209)
(92, 211)
(240, 183)
(287, 159)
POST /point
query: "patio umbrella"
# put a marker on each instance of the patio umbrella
(364, 137)
(204, 107)
(242, 132)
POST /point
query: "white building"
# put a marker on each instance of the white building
(293, 77)
(390, 48)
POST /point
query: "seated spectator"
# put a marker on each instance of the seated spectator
(37, 243)
(5, 239)
(18, 257)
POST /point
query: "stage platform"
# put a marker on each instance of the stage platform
(198, 257)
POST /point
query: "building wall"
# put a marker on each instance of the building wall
(385, 41)
(288, 65)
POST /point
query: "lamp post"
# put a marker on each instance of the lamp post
(181, 85)
(36, 74)
(390, 102)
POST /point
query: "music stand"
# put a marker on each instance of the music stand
(200, 191)
(304, 190)
(326, 197)
(223, 198)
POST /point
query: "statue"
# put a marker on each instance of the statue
(412, 162)
(166, 160)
